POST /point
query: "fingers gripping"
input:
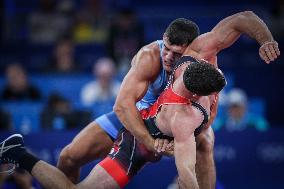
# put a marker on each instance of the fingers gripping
(269, 51)
(161, 144)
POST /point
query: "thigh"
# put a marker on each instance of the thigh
(131, 154)
(99, 179)
(205, 140)
(90, 144)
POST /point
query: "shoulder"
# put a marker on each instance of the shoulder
(203, 42)
(182, 124)
(147, 60)
(180, 113)
(205, 46)
(151, 51)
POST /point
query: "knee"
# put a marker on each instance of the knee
(68, 157)
(205, 142)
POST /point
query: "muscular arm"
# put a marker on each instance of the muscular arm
(134, 86)
(228, 30)
(183, 127)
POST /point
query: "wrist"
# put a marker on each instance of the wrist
(265, 42)
(149, 142)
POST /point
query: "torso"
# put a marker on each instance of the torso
(168, 103)
(164, 116)
(199, 49)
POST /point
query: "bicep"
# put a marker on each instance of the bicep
(225, 32)
(223, 35)
(137, 80)
(133, 87)
(183, 125)
(184, 122)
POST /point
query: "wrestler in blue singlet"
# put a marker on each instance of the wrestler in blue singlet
(110, 123)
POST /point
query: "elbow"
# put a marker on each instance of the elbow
(121, 106)
(248, 14)
(118, 108)
(243, 19)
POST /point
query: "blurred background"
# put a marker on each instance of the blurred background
(62, 62)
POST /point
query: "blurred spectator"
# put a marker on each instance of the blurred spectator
(59, 115)
(5, 121)
(18, 86)
(91, 23)
(237, 117)
(125, 39)
(63, 59)
(104, 88)
(47, 24)
(277, 19)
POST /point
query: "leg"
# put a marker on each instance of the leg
(90, 144)
(12, 150)
(100, 179)
(52, 178)
(205, 166)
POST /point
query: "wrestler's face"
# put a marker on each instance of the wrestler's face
(171, 53)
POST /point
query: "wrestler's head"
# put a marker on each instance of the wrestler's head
(203, 79)
(178, 35)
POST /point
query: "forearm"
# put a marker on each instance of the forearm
(186, 172)
(131, 119)
(187, 180)
(185, 159)
(254, 27)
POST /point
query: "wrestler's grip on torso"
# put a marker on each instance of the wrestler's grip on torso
(144, 70)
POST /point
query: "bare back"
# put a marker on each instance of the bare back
(172, 115)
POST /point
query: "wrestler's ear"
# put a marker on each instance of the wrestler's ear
(220, 71)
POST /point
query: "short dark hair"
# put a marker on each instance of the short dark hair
(203, 79)
(182, 31)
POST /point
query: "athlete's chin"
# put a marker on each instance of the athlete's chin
(168, 68)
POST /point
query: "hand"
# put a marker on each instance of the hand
(269, 51)
(171, 146)
(149, 143)
(162, 145)
(169, 149)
